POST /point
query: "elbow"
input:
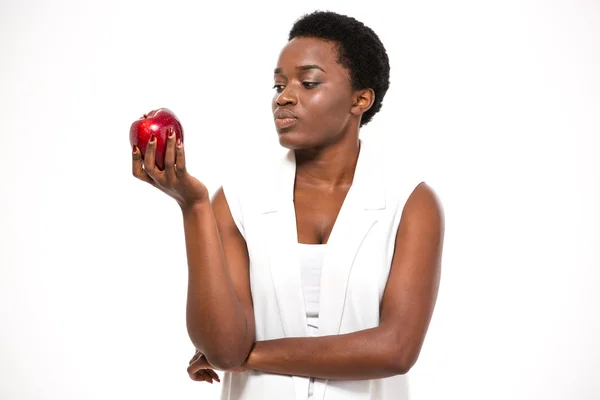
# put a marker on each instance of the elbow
(401, 367)
(227, 353)
(402, 354)
(403, 361)
(226, 359)
(225, 362)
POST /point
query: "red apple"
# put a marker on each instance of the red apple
(157, 122)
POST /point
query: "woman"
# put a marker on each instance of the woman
(314, 276)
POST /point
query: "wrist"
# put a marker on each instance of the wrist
(197, 206)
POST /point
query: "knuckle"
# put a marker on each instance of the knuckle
(138, 173)
(148, 167)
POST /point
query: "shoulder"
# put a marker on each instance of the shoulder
(424, 206)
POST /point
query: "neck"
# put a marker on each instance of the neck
(328, 167)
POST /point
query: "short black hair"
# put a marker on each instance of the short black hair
(359, 50)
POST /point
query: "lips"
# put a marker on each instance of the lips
(284, 118)
(284, 114)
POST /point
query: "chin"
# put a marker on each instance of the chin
(292, 140)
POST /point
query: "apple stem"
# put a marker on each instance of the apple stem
(145, 115)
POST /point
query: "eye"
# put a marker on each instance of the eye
(278, 88)
(311, 85)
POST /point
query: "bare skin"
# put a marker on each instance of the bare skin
(325, 139)
(214, 249)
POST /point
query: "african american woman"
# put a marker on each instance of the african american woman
(314, 275)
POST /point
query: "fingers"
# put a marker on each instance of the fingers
(145, 168)
(179, 159)
(138, 167)
(198, 378)
(213, 374)
(197, 365)
(208, 378)
(201, 376)
(198, 371)
(150, 157)
(170, 157)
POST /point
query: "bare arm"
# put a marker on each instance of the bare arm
(393, 347)
(220, 316)
(354, 356)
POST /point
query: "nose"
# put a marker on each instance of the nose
(287, 96)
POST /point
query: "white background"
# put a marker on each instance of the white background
(498, 104)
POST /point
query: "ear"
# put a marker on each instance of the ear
(363, 100)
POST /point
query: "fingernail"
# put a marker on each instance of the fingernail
(152, 138)
(134, 148)
(171, 133)
(178, 141)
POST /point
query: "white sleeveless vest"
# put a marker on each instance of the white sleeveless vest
(310, 257)
(355, 270)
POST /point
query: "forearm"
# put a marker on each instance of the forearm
(216, 321)
(367, 354)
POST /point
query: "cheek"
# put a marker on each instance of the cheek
(325, 103)
(330, 108)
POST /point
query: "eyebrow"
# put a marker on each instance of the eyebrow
(301, 68)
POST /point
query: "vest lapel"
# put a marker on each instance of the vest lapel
(357, 216)
(281, 240)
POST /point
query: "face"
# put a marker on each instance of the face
(314, 103)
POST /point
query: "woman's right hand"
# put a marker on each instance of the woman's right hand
(174, 180)
(201, 374)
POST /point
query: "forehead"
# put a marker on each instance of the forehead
(304, 51)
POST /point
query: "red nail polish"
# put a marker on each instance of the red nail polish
(134, 148)
(152, 138)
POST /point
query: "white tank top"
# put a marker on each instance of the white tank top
(311, 264)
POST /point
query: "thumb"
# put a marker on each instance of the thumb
(196, 356)
(137, 166)
(200, 363)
